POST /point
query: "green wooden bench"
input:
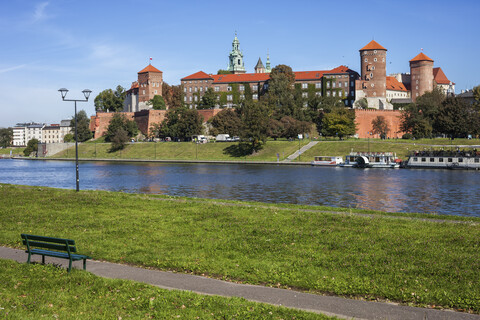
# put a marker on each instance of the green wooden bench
(53, 247)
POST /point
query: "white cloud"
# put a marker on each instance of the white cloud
(12, 68)
(40, 13)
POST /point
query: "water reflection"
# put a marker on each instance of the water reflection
(439, 191)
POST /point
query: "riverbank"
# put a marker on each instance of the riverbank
(273, 151)
(414, 261)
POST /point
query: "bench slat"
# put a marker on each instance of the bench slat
(47, 239)
(58, 254)
(47, 245)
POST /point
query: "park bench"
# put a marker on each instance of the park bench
(53, 247)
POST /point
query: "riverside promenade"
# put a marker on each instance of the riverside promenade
(328, 305)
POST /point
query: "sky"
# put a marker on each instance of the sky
(97, 45)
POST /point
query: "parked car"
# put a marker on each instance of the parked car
(223, 137)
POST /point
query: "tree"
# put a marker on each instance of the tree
(6, 137)
(209, 100)
(254, 125)
(339, 122)
(222, 71)
(362, 103)
(83, 126)
(380, 126)
(109, 100)
(32, 146)
(69, 138)
(119, 121)
(226, 121)
(456, 118)
(119, 139)
(476, 96)
(157, 102)
(275, 129)
(180, 123)
(172, 96)
(280, 92)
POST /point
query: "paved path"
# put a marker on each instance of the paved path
(328, 305)
(299, 152)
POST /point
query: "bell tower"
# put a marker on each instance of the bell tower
(235, 64)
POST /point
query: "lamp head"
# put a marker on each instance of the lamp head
(63, 92)
(86, 93)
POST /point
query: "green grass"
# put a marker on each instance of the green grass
(15, 151)
(35, 291)
(219, 151)
(422, 262)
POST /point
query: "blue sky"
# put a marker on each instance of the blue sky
(47, 45)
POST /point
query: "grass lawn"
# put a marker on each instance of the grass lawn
(225, 151)
(35, 291)
(422, 262)
(15, 151)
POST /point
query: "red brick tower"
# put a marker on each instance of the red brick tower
(150, 81)
(374, 72)
(421, 71)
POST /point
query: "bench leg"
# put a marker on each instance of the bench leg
(29, 256)
(43, 259)
(70, 265)
(84, 264)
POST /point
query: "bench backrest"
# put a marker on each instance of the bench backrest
(58, 244)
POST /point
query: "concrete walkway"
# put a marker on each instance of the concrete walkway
(297, 153)
(328, 305)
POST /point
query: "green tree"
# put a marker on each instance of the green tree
(180, 123)
(457, 118)
(157, 102)
(209, 100)
(222, 71)
(275, 129)
(119, 121)
(6, 137)
(362, 103)
(254, 125)
(69, 138)
(119, 139)
(32, 146)
(83, 126)
(476, 96)
(339, 122)
(380, 126)
(109, 100)
(280, 93)
(226, 121)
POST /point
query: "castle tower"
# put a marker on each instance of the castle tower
(235, 64)
(421, 71)
(150, 81)
(259, 68)
(268, 68)
(373, 70)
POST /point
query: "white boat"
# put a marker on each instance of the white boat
(327, 161)
(464, 160)
(371, 160)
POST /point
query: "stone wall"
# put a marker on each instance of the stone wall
(364, 118)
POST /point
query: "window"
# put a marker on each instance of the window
(155, 91)
(304, 86)
(189, 89)
(196, 98)
(351, 83)
(242, 88)
(242, 96)
(229, 88)
(440, 159)
(374, 51)
(196, 89)
(185, 99)
(424, 159)
(352, 93)
(328, 85)
(184, 89)
(334, 93)
(372, 85)
(238, 62)
(304, 95)
(190, 99)
(328, 93)
(432, 159)
(366, 60)
(229, 97)
(255, 87)
(375, 60)
(217, 88)
(143, 91)
(255, 96)
(476, 160)
(339, 84)
(449, 159)
(460, 159)
(318, 85)
(201, 89)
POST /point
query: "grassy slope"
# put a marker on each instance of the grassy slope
(35, 291)
(218, 151)
(407, 260)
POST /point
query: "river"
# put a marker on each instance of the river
(449, 192)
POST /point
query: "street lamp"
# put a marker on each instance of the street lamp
(86, 94)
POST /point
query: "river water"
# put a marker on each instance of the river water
(397, 190)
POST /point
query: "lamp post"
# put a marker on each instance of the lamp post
(86, 93)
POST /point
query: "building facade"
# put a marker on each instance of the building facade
(149, 84)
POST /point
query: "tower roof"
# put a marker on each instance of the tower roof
(373, 45)
(440, 77)
(149, 68)
(259, 64)
(421, 57)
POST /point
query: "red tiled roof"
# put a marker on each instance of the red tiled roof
(421, 57)
(440, 77)
(198, 75)
(240, 77)
(373, 45)
(149, 68)
(394, 84)
(134, 85)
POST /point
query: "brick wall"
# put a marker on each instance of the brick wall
(364, 118)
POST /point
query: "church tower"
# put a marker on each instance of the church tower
(421, 71)
(268, 68)
(235, 64)
(259, 68)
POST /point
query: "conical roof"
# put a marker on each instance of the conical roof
(149, 68)
(421, 57)
(259, 64)
(373, 45)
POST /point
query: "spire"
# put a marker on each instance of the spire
(259, 68)
(268, 69)
(235, 64)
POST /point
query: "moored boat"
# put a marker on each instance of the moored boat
(371, 160)
(441, 159)
(327, 161)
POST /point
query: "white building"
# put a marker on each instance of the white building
(55, 133)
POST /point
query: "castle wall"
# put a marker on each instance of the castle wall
(364, 118)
